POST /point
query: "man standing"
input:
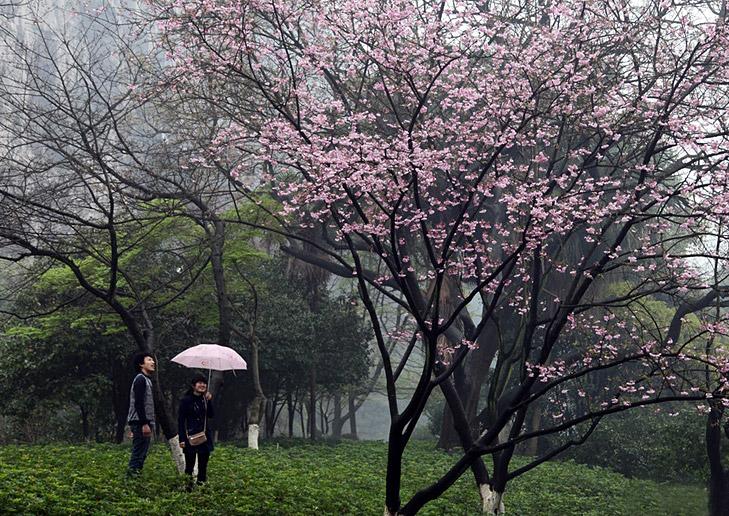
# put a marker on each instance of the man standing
(141, 412)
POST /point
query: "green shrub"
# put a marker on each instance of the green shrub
(643, 444)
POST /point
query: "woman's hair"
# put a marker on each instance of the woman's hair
(197, 377)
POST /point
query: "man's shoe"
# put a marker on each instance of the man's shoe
(133, 474)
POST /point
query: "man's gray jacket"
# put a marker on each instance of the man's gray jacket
(141, 400)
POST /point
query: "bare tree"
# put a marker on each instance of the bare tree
(65, 99)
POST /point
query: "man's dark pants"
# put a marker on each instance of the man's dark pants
(140, 448)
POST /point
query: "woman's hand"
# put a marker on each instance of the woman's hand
(208, 396)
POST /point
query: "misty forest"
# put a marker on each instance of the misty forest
(317, 257)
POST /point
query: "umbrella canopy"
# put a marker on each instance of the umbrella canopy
(211, 356)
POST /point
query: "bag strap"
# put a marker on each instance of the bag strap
(205, 415)
(187, 433)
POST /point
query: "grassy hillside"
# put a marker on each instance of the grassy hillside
(302, 478)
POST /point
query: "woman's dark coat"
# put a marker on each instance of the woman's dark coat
(191, 418)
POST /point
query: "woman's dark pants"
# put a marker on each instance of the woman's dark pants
(202, 452)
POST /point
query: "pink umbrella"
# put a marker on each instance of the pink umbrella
(211, 356)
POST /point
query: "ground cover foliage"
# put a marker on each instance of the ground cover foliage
(302, 478)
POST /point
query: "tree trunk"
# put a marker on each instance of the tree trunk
(312, 403)
(449, 297)
(337, 422)
(217, 243)
(531, 447)
(718, 477)
(460, 424)
(393, 477)
(489, 499)
(271, 417)
(474, 372)
(314, 279)
(120, 398)
(323, 419)
(244, 419)
(492, 501)
(301, 419)
(258, 405)
(352, 416)
(448, 438)
(121, 424)
(255, 414)
(257, 408)
(85, 423)
(291, 412)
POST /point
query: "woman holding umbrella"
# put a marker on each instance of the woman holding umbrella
(195, 408)
(195, 437)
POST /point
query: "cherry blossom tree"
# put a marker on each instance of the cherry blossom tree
(492, 168)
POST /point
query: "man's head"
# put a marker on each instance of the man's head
(199, 384)
(144, 362)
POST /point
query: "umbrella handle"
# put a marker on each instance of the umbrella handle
(209, 372)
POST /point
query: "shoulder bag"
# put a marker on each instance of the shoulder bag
(199, 438)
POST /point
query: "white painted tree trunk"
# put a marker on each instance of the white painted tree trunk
(253, 436)
(388, 512)
(178, 457)
(493, 501)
